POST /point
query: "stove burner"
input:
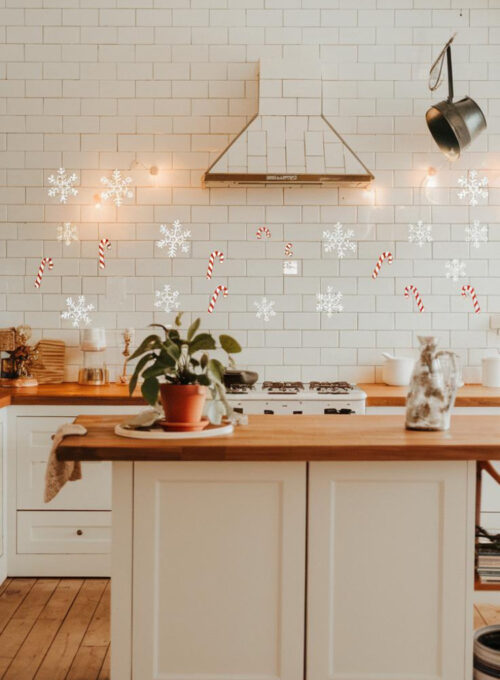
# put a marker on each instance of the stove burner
(239, 388)
(282, 387)
(331, 387)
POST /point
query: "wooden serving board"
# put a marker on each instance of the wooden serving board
(158, 433)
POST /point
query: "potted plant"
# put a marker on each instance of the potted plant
(174, 370)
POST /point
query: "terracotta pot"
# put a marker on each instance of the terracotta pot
(183, 403)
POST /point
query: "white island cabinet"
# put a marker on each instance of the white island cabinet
(210, 561)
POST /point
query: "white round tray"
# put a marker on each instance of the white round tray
(210, 431)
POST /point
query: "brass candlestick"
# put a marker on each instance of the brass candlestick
(127, 336)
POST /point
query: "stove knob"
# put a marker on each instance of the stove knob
(297, 413)
(238, 409)
(268, 412)
(346, 411)
(330, 411)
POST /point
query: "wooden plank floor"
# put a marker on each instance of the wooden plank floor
(58, 629)
(54, 629)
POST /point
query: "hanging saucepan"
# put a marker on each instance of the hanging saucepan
(454, 125)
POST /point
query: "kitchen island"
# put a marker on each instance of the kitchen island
(341, 546)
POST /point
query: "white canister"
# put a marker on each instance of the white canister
(397, 370)
(491, 371)
(93, 340)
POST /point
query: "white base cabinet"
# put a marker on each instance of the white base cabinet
(210, 561)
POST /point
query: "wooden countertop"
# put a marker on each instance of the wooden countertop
(469, 395)
(298, 438)
(117, 395)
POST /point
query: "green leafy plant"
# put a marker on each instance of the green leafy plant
(173, 360)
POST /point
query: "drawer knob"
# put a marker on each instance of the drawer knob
(79, 532)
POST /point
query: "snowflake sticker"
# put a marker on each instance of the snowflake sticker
(329, 302)
(77, 311)
(167, 299)
(67, 232)
(265, 309)
(473, 187)
(174, 238)
(62, 185)
(476, 233)
(455, 269)
(339, 241)
(420, 233)
(117, 188)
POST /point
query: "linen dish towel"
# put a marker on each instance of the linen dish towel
(59, 472)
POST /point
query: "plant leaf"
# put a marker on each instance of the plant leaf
(154, 371)
(165, 329)
(203, 379)
(150, 389)
(149, 343)
(229, 344)
(216, 369)
(204, 361)
(178, 319)
(174, 351)
(201, 341)
(192, 329)
(137, 371)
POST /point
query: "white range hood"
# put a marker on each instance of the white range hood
(289, 141)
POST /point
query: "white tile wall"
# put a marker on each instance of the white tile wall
(96, 84)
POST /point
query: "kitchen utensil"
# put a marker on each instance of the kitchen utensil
(454, 125)
(236, 376)
(433, 388)
(397, 370)
(491, 371)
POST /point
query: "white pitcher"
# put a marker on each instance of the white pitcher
(433, 388)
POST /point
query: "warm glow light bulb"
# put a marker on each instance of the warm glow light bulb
(97, 200)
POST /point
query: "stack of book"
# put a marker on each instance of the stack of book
(488, 563)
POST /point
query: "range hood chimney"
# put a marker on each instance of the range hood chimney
(289, 141)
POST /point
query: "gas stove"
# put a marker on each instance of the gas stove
(319, 397)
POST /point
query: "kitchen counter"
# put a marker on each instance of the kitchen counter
(292, 438)
(117, 395)
(379, 394)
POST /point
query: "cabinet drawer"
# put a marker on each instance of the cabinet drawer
(55, 532)
(34, 441)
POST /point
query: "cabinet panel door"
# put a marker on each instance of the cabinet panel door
(63, 532)
(34, 441)
(219, 571)
(388, 571)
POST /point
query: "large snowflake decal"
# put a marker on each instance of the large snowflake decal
(473, 187)
(167, 299)
(67, 232)
(455, 269)
(339, 240)
(265, 309)
(62, 185)
(117, 188)
(329, 302)
(174, 238)
(420, 233)
(476, 234)
(78, 311)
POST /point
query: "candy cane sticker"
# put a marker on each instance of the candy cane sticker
(289, 249)
(103, 243)
(386, 255)
(263, 230)
(469, 290)
(45, 261)
(211, 260)
(220, 289)
(416, 295)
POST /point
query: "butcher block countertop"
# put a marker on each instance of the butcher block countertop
(71, 394)
(297, 438)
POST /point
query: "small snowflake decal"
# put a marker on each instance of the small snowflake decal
(67, 232)
(117, 188)
(455, 269)
(78, 311)
(329, 302)
(62, 185)
(339, 240)
(265, 309)
(476, 234)
(473, 187)
(174, 238)
(420, 233)
(167, 299)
